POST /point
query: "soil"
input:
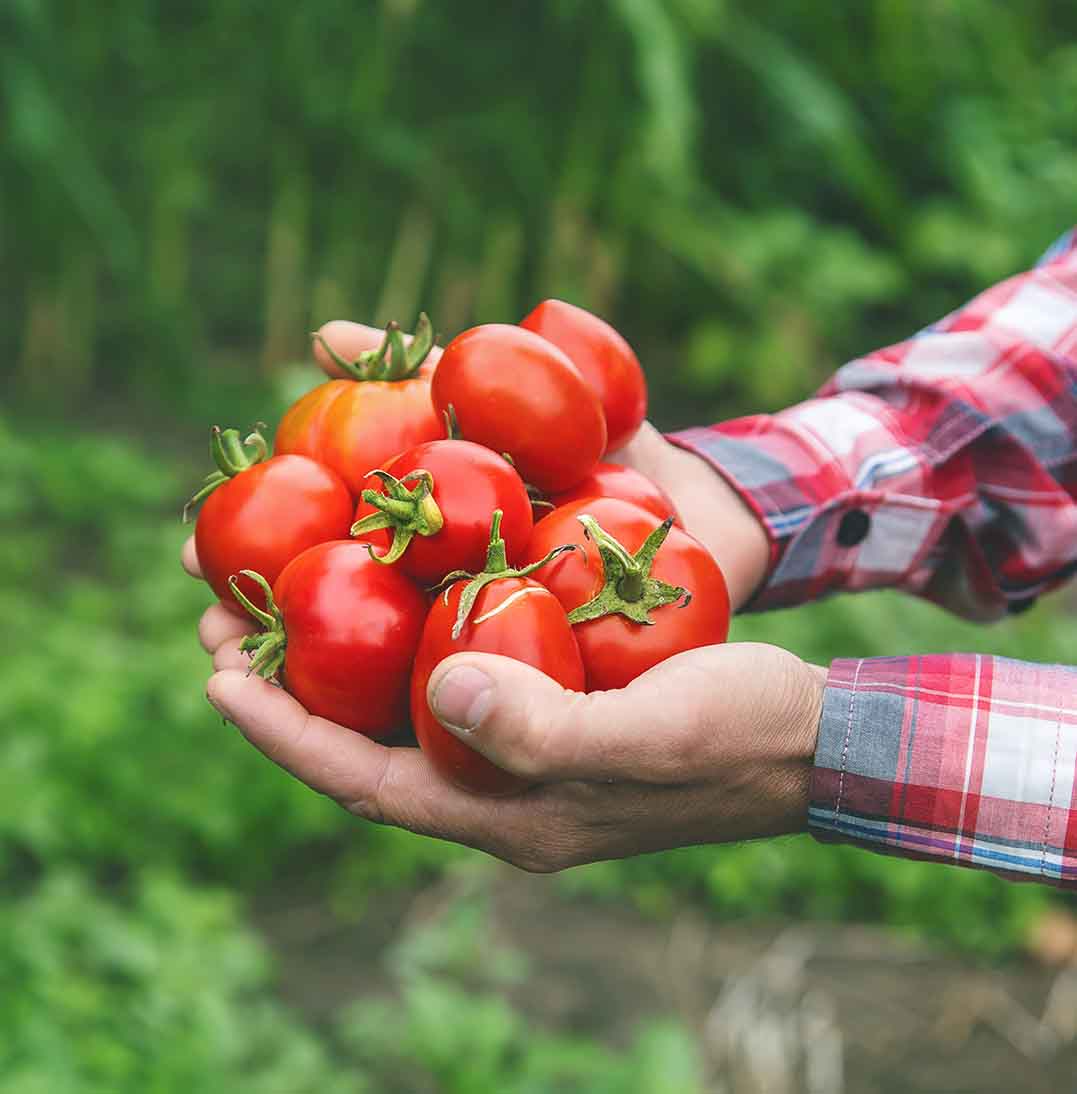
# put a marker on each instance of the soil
(781, 1008)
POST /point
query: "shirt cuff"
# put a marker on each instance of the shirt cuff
(958, 758)
(827, 531)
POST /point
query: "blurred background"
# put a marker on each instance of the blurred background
(753, 194)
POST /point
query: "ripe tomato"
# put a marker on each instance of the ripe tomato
(260, 513)
(430, 508)
(356, 425)
(514, 392)
(342, 631)
(500, 611)
(614, 480)
(605, 359)
(663, 588)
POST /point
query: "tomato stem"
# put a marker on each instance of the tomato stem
(231, 457)
(627, 586)
(497, 567)
(452, 424)
(408, 513)
(391, 361)
(266, 649)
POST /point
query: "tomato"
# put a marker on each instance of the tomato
(636, 593)
(500, 611)
(342, 632)
(614, 480)
(430, 508)
(260, 513)
(605, 359)
(356, 425)
(516, 393)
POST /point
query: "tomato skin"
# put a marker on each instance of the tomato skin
(356, 426)
(606, 360)
(352, 626)
(614, 480)
(470, 482)
(263, 518)
(514, 392)
(615, 650)
(530, 626)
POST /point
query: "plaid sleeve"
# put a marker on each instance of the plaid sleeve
(957, 758)
(946, 464)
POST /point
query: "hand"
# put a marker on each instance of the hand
(710, 746)
(709, 507)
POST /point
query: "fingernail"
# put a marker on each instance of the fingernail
(462, 698)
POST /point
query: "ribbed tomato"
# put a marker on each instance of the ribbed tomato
(636, 592)
(358, 424)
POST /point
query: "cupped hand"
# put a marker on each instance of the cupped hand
(710, 746)
(708, 506)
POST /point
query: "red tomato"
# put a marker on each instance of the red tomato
(605, 359)
(614, 480)
(260, 515)
(356, 425)
(343, 631)
(514, 392)
(436, 529)
(512, 615)
(628, 574)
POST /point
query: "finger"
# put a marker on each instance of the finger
(228, 655)
(348, 340)
(189, 558)
(528, 724)
(388, 785)
(218, 625)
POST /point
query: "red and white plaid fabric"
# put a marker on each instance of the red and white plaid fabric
(959, 758)
(947, 466)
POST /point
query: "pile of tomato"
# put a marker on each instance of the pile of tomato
(413, 510)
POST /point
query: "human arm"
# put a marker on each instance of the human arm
(957, 758)
(945, 465)
(960, 759)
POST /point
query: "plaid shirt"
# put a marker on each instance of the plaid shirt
(947, 466)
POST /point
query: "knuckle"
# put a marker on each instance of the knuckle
(551, 743)
(371, 806)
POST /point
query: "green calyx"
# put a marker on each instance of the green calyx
(266, 649)
(497, 567)
(393, 359)
(627, 588)
(231, 456)
(408, 512)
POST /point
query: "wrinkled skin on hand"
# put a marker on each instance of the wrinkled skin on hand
(713, 745)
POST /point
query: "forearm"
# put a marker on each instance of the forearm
(945, 465)
(957, 758)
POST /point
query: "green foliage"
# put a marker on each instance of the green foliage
(100, 685)
(161, 993)
(753, 196)
(450, 1028)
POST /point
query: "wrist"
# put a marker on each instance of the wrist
(797, 733)
(717, 515)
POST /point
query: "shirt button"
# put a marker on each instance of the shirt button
(853, 528)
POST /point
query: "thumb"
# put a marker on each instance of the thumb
(526, 723)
